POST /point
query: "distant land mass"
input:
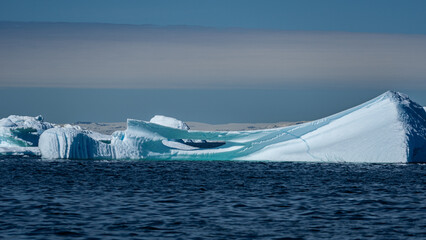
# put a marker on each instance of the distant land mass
(109, 128)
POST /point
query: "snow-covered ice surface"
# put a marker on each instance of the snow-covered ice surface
(169, 122)
(390, 128)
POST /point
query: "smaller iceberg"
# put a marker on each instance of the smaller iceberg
(74, 143)
(22, 131)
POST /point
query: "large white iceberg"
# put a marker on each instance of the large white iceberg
(390, 128)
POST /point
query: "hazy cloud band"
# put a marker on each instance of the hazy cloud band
(129, 56)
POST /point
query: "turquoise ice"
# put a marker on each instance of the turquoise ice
(388, 128)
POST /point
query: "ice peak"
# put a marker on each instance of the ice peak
(404, 103)
(397, 96)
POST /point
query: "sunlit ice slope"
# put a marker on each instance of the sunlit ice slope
(390, 128)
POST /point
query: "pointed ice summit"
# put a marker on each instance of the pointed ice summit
(389, 128)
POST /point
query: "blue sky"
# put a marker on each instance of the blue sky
(85, 55)
(266, 61)
(379, 16)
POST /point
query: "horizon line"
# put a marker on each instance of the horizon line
(204, 27)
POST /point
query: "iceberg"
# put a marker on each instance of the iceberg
(20, 132)
(74, 143)
(387, 129)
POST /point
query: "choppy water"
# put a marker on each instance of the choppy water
(211, 199)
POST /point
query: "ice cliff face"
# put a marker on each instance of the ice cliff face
(73, 143)
(390, 128)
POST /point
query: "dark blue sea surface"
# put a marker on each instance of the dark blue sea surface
(74, 199)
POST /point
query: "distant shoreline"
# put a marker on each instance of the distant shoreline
(108, 128)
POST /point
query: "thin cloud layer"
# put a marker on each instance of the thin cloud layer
(129, 56)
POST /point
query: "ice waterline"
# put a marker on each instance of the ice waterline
(389, 128)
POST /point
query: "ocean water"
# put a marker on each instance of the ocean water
(72, 199)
